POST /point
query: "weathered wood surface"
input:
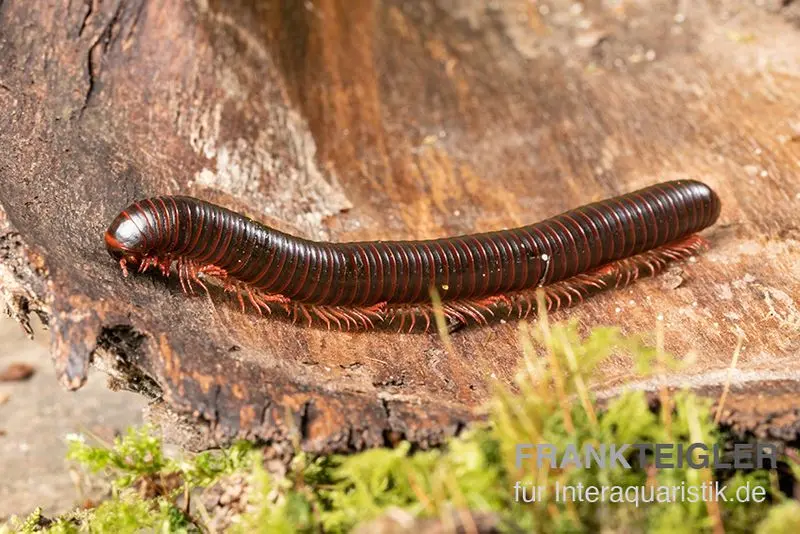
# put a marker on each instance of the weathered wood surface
(359, 120)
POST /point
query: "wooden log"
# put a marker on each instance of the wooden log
(346, 120)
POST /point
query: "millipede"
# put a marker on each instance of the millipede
(605, 244)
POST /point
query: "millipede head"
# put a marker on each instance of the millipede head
(125, 242)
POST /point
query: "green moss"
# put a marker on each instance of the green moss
(550, 402)
(781, 519)
(138, 453)
(129, 514)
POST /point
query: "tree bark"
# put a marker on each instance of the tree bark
(359, 119)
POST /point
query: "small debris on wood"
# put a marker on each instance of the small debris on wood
(17, 372)
(672, 279)
(590, 39)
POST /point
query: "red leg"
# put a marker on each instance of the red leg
(256, 303)
(413, 322)
(453, 313)
(426, 313)
(193, 273)
(307, 315)
(213, 270)
(240, 298)
(181, 276)
(280, 299)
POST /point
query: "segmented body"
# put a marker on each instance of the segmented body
(377, 275)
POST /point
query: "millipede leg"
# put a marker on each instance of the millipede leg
(321, 315)
(254, 302)
(307, 315)
(164, 266)
(193, 272)
(451, 311)
(240, 298)
(213, 270)
(427, 317)
(346, 317)
(325, 313)
(413, 322)
(181, 277)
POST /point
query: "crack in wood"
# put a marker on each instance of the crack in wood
(89, 10)
(304, 419)
(92, 62)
